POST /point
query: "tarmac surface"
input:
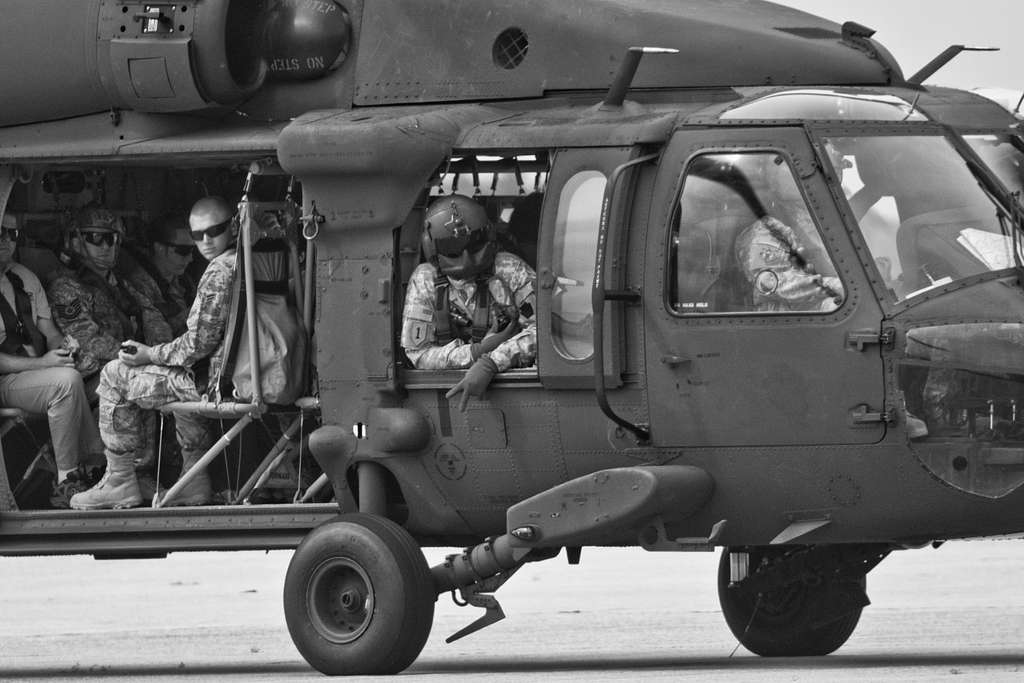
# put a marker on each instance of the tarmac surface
(956, 611)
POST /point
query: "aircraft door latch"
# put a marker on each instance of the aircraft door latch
(860, 339)
(862, 415)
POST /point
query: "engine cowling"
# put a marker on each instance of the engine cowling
(74, 57)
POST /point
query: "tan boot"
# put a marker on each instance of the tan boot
(198, 490)
(117, 489)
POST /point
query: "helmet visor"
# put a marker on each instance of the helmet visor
(453, 246)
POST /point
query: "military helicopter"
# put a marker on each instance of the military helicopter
(778, 290)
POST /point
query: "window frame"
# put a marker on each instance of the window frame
(671, 258)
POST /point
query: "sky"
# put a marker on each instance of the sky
(915, 31)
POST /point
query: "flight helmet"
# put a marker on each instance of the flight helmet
(458, 237)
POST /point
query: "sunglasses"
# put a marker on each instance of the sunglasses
(179, 249)
(212, 231)
(452, 247)
(10, 234)
(97, 239)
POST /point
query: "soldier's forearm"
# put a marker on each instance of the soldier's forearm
(454, 355)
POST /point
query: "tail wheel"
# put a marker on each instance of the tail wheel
(792, 621)
(359, 597)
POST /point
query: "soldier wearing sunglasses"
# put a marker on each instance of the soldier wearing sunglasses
(144, 378)
(161, 271)
(90, 302)
(470, 305)
(37, 371)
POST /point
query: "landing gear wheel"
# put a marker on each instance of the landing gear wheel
(359, 597)
(785, 622)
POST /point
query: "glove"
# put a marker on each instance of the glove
(495, 339)
(475, 381)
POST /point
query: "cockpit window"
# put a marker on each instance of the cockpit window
(744, 241)
(925, 217)
(1003, 155)
(830, 105)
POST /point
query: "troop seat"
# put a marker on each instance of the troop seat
(266, 296)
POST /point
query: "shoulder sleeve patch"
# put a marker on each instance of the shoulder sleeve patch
(68, 310)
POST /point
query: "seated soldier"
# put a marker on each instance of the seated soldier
(777, 263)
(90, 303)
(160, 271)
(145, 378)
(37, 371)
(469, 306)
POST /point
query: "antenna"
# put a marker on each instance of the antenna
(624, 78)
(944, 58)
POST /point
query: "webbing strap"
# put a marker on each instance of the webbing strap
(442, 311)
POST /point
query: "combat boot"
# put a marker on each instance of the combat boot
(117, 489)
(198, 491)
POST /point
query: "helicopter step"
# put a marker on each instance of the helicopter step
(579, 510)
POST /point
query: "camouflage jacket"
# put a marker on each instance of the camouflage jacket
(512, 283)
(207, 320)
(172, 298)
(100, 314)
(768, 251)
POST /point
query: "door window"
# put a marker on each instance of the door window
(743, 241)
(575, 243)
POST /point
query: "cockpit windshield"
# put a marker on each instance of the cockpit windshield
(832, 105)
(923, 213)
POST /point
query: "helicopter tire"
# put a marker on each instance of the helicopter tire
(786, 622)
(359, 597)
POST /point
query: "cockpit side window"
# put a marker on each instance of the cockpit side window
(743, 241)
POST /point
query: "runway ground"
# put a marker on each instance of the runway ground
(957, 611)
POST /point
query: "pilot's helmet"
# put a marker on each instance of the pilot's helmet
(458, 237)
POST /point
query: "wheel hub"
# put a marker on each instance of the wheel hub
(340, 599)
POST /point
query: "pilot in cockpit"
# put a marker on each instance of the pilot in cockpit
(775, 261)
(781, 254)
(469, 305)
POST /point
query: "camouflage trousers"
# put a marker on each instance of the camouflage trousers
(127, 394)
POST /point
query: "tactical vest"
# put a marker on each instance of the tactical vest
(127, 307)
(19, 322)
(449, 326)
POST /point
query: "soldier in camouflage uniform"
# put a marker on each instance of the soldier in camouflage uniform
(469, 306)
(90, 303)
(779, 266)
(98, 309)
(146, 377)
(160, 272)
